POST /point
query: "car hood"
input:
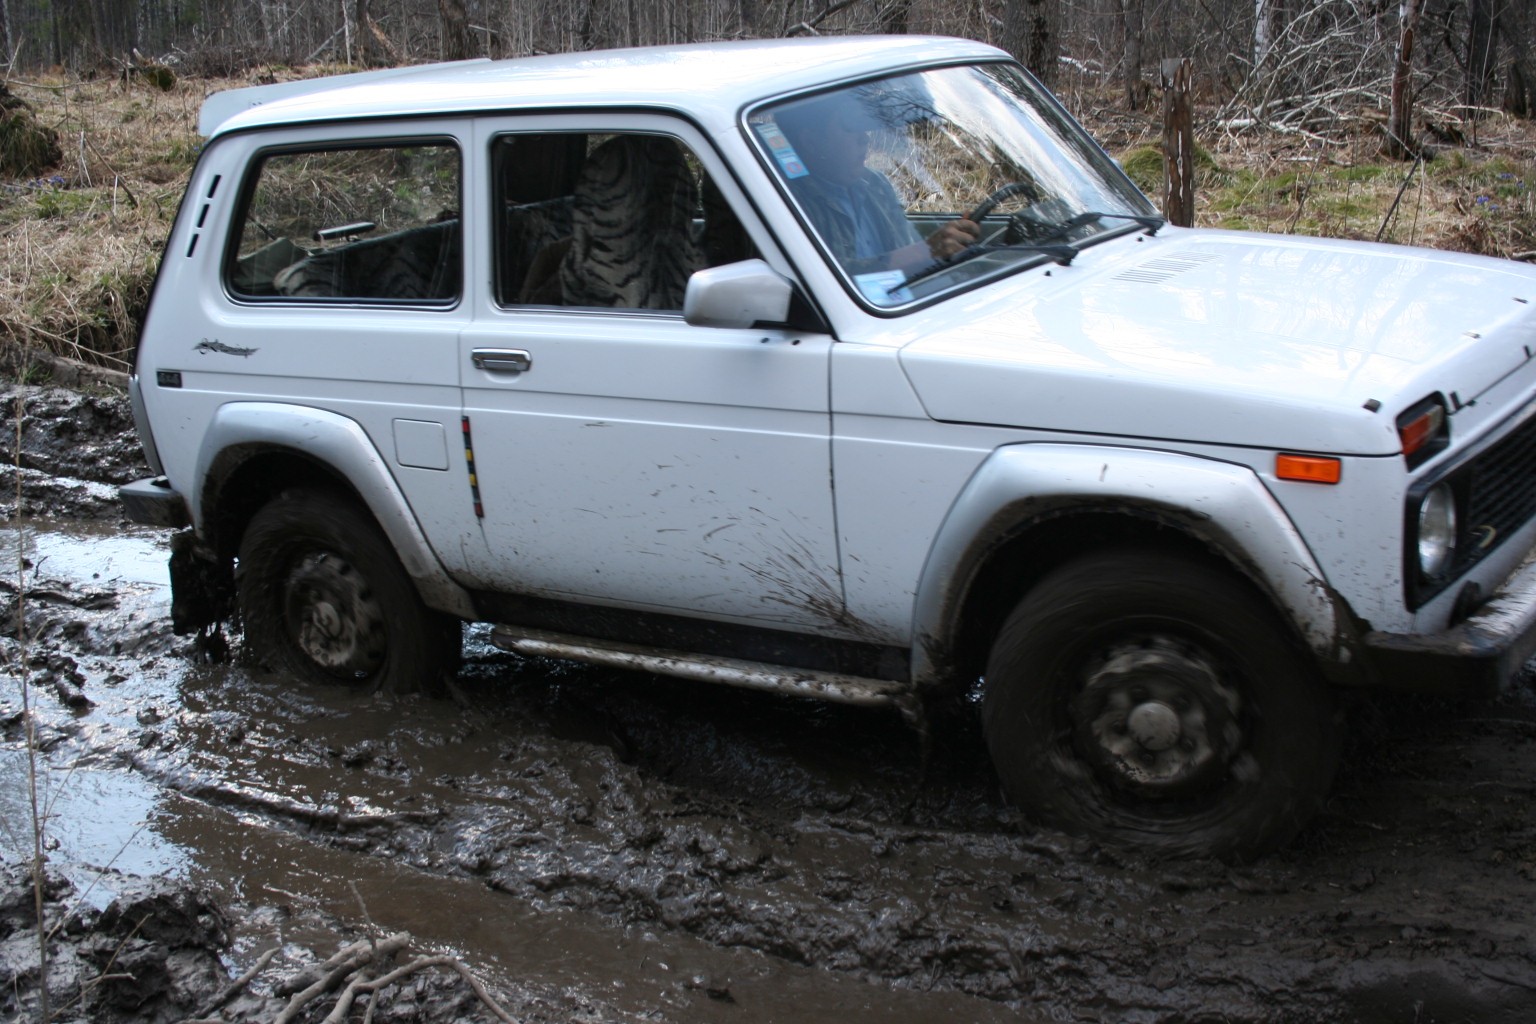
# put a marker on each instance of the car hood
(1230, 338)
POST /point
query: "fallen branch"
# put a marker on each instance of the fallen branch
(350, 967)
(324, 46)
(315, 817)
(452, 963)
(354, 958)
(234, 988)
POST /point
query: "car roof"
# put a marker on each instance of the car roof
(709, 81)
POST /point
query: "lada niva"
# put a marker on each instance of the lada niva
(843, 368)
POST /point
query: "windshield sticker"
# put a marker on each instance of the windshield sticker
(885, 288)
(789, 161)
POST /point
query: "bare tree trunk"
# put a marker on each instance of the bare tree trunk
(1400, 125)
(362, 22)
(1514, 28)
(1480, 54)
(1031, 34)
(1269, 24)
(75, 41)
(1517, 94)
(1263, 32)
(1178, 143)
(373, 46)
(1131, 12)
(455, 29)
(894, 20)
(588, 30)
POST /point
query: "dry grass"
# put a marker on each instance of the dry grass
(80, 244)
(1479, 197)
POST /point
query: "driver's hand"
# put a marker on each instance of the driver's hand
(953, 237)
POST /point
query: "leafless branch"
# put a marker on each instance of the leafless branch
(808, 27)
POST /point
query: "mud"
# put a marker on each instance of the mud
(610, 846)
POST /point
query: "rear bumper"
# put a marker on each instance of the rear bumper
(153, 502)
(1478, 657)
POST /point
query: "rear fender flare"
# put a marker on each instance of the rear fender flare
(343, 445)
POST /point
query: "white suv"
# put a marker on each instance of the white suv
(846, 368)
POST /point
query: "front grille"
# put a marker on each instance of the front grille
(1495, 497)
(1498, 490)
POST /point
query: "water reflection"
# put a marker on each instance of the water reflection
(95, 821)
(209, 774)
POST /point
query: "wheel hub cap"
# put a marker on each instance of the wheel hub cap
(325, 618)
(336, 620)
(1154, 725)
(1156, 719)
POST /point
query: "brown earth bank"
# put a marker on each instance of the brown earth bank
(604, 846)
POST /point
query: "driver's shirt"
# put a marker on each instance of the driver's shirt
(859, 223)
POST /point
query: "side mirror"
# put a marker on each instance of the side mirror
(737, 295)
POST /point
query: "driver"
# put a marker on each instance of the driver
(854, 208)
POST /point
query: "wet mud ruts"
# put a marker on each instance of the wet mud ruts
(607, 846)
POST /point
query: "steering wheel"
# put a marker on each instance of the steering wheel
(998, 197)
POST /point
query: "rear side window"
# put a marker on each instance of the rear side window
(606, 220)
(378, 223)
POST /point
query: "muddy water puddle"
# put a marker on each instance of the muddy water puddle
(304, 809)
(670, 851)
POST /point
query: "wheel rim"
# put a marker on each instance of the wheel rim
(1155, 719)
(332, 616)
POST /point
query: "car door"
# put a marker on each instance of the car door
(622, 456)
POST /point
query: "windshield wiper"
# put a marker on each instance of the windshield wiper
(1062, 254)
(1149, 222)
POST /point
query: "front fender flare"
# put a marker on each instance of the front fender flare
(1223, 504)
(343, 445)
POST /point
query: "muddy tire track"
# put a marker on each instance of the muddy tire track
(786, 843)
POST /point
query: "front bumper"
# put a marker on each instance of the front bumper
(153, 502)
(1478, 657)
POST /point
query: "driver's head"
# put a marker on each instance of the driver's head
(831, 134)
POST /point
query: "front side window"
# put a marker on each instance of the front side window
(604, 220)
(918, 183)
(377, 223)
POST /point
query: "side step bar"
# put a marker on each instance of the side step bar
(753, 675)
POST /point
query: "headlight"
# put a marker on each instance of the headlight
(1437, 531)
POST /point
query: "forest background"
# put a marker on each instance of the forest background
(1408, 122)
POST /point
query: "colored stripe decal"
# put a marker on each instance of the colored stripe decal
(469, 462)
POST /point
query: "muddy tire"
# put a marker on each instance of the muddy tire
(324, 599)
(1151, 700)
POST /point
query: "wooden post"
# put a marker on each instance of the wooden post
(1178, 143)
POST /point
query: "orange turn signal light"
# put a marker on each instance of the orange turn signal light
(1311, 469)
(1421, 429)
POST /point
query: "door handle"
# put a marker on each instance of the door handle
(502, 360)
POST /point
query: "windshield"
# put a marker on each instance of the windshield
(917, 184)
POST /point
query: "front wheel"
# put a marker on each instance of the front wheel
(325, 599)
(1151, 700)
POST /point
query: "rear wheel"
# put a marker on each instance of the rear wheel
(325, 599)
(1151, 700)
